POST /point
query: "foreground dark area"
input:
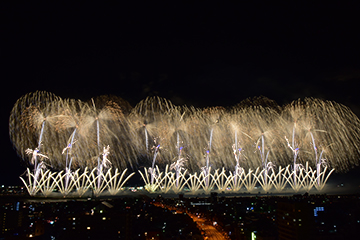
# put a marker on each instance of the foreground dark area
(155, 217)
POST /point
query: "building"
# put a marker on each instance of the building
(294, 220)
(11, 216)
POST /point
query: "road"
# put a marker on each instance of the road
(210, 231)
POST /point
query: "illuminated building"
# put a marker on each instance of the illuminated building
(294, 220)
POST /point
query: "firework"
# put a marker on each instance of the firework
(68, 135)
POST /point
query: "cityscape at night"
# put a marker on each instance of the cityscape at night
(143, 216)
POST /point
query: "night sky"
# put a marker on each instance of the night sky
(195, 54)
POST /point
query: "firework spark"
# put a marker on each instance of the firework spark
(256, 124)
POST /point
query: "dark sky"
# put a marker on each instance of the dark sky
(196, 54)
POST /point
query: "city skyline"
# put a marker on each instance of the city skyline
(189, 217)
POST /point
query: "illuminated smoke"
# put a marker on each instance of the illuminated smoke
(207, 136)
